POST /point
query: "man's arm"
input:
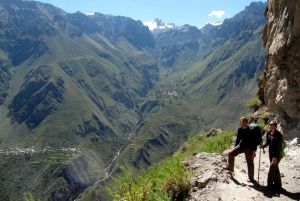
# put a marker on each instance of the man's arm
(238, 138)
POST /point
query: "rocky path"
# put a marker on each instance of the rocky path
(211, 182)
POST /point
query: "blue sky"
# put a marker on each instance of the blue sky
(179, 12)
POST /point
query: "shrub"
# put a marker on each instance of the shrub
(265, 116)
(254, 103)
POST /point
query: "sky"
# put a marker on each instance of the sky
(179, 12)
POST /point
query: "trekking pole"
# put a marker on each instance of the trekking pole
(259, 167)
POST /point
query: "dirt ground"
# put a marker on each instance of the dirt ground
(223, 187)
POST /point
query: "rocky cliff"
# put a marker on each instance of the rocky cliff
(280, 84)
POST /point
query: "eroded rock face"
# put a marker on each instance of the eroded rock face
(281, 84)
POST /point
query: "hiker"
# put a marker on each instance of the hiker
(274, 141)
(246, 142)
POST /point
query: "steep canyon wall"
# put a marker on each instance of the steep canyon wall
(281, 79)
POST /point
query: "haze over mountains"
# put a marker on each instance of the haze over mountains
(95, 92)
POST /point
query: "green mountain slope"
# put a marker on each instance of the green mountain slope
(208, 92)
(65, 89)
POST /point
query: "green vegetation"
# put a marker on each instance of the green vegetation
(263, 120)
(31, 173)
(265, 116)
(200, 143)
(169, 180)
(254, 103)
(29, 197)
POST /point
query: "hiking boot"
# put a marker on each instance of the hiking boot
(252, 180)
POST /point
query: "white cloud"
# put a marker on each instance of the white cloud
(217, 13)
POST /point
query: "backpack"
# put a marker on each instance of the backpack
(257, 131)
(256, 128)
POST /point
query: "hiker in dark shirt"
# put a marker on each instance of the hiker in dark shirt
(246, 142)
(274, 141)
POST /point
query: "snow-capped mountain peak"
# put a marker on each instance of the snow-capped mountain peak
(90, 14)
(158, 24)
(211, 24)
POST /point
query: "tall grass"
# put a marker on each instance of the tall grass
(201, 143)
(166, 181)
(169, 180)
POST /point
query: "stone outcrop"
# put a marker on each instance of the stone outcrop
(280, 84)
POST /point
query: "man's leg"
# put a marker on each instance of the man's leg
(231, 155)
(250, 163)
